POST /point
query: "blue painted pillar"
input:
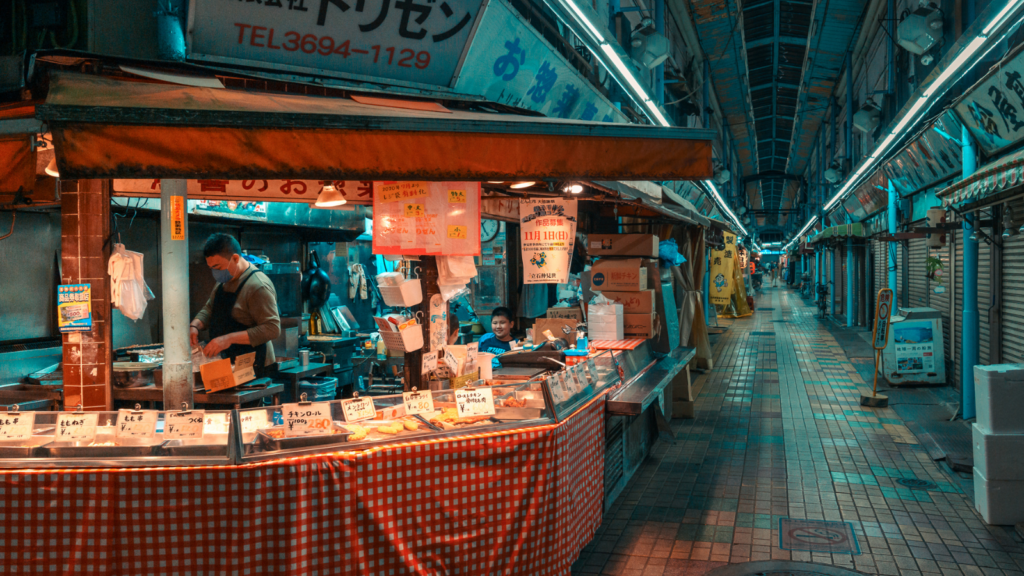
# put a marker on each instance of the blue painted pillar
(659, 71)
(969, 337)
(890, 246)
(832, 278)
(849, 278)
(707, 286)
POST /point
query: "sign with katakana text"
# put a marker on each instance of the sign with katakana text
(548, 233)
(419, 218)
(510, 62)
(248, 194)
(417, 41)
(994, 110)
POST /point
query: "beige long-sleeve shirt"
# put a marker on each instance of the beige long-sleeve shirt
(256, 306)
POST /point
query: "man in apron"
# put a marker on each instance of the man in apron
(241, 314)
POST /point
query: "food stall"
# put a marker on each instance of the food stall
(519, 457)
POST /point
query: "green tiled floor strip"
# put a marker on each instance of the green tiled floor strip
(717, 495)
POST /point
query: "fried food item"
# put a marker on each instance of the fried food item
(393, 428)
(513, 403)
(358, 433)
(411, 424)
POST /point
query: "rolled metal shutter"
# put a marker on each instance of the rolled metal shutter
(1013, 290)
(957, 241)
(840, 279)
(984, 284)
(918, 272)
(941, 301)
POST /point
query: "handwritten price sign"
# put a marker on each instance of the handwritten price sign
(415, 211)
(132, 424)
(357, 409)
(307, 419)
(254, 421)
(418, 403)
(76, 427)
(456, 196)
(185, 425)
(458, 232)
(16, 426)
(470, 402)
(217, 423)
(429, 362)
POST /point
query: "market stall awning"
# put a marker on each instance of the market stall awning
(673, 211)
(1003, 174)
(855, 230)
(107, 128)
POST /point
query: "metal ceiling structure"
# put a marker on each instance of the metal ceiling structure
(774, 65)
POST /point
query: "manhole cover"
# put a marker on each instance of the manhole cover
(916, 483)
(762, 333)
(781, 568)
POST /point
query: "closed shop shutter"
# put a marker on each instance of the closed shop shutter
(984, 284)
(957, 240)
(917, 264)
(1013, 290)
(941, 301)
(840, 279)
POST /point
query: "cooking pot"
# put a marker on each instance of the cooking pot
(316, 284)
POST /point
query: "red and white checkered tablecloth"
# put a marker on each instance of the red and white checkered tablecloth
(518, 502)
(628, 344)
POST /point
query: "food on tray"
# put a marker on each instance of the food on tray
(358, 433)
(411, 424)
(393, 428)
(450, 417)
(275, 433)
(512, 402)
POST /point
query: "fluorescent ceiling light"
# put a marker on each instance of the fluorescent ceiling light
(998, 18)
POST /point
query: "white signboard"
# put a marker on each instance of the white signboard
(244, 192)
(136, 424)
(307, 419)
(185, 425)
(470, 402)
(548, 232)
(994, 109)
(16, 425)
(76, 427)
(883, 312)
(418, 402)
(411, 40)
(358, 409)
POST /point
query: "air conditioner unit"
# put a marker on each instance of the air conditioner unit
(648, 46)
(834, 173)
(921, 30)
(867, 118)
(722, 176)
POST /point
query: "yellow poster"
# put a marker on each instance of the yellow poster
(721, 272)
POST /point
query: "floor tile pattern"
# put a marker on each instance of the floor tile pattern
(779, 433)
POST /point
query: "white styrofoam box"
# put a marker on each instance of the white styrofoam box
(616, 334)
(999, 393)
(613, 309)
(1000, 502)
(998, 456)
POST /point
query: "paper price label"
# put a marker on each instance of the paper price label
(357, 409)
(470, 402)
(307, 419)
(456, 196)
(132, 424)
(415, 211)
(16, 425)
(418, 402)
(184, 425)
(429, 362)
(472, 351)
(252, 421)
(217, 423)
(458, 232)
(592, 370)
(76, 427)
(557, 393)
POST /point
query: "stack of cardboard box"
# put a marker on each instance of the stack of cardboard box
(999, 443)
(621, 275)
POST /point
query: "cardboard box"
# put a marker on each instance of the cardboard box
(564, 328)
(571, 313)
(645, 245)
(639, 325)
(626, 275)
(221, 375)
(641, 302)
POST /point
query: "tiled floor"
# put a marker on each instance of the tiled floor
(779, 432)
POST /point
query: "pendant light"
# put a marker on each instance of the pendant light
(519, 185)
(51, 168)
(330, 197)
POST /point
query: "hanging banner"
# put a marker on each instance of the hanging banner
(426, 218)
(548, 232)
(414, 42)
(354, 191)
(74, 308)
(994, 109)
(721, 272)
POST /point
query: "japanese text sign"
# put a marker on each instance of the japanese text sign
(177, 218)
(188, 425)
(357, 409)
(76, 427)
(16, 425)
(307, 419)
(994, 110)
(722, 273)
(470, 402)
(74, 308)
(135, 424)
(244, 196)
(420, 218)
(883, 312)
(548, 231)
(411, 40)
(418, 402)
(251, 421)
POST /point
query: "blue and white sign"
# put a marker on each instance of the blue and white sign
(509, 62)
(994, 110)
(416, 41)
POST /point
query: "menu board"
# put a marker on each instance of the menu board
(426, 218)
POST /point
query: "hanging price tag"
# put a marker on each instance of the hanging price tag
(16, 425)
(418, 402)
(357, 409)
(307, 419)
(217, 422)
(458, 232)
(470, 402)
(252, 421)
(185, 425)
(135, 424)
(76, 427)
(557, 393)
(414, 211)
(429, 362)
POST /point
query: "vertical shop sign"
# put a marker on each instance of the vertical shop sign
(417, 41)
(721, 272)
(994, 110)
(548, 229)
(426, 218)
(74, 308)
(177, 218)
(883, 311)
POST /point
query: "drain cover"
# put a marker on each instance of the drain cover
(781, 568)
(916, 483)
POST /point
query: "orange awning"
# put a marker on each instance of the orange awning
(17, 163)
(105, 128)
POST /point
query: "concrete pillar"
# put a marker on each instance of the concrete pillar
(85, 226)
(707, 286)
(969, 338)
(178, 379)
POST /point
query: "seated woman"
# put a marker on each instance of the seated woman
(499, 339)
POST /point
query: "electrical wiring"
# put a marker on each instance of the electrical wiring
(14, 217)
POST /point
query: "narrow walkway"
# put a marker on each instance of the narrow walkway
(780, 433)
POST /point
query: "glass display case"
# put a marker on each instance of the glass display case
(368, 421)
(569, 389)
(121, 438)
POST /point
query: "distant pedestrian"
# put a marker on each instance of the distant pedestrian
(775, 276)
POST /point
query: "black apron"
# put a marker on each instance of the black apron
(221, 323)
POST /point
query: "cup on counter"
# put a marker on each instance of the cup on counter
(304, 357)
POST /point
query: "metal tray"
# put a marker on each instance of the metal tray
(212, 445)
(24, 449)
(269, 443)
(70, 450)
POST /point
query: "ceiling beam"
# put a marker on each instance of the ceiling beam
(771, 175)
(777, 39)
